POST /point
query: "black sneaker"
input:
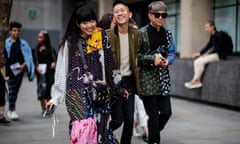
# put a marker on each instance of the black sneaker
(145, 137)
(4, 121)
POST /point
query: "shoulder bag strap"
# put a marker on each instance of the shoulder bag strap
(85, 67)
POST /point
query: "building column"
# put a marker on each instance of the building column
(194, 15)
(104, 7)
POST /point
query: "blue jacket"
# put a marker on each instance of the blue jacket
(27, 54)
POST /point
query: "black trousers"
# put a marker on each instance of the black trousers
(2, 91)
(159, 111)
(122, 110)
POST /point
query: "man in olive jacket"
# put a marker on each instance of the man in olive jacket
(124, 41)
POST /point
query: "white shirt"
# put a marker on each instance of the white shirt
(124, 55)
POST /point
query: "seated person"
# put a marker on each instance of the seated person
(212, 52)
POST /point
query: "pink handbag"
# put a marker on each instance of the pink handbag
(84, 132)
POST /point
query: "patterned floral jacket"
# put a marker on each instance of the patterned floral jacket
(154, 80)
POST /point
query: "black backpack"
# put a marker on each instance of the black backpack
(228, 44)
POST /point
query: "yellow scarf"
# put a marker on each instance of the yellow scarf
(95, 42)
(1, 70)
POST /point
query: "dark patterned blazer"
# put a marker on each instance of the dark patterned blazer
(154, 80)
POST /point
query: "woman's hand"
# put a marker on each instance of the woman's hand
(50, 105)
(126, 94)
(53, 65)
(39, 71)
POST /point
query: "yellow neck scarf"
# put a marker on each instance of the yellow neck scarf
(95, 42)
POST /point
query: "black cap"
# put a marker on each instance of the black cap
(120, 2)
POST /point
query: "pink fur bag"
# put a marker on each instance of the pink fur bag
(84, 132)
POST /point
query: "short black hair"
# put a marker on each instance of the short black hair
(15, 24)
(120, 2)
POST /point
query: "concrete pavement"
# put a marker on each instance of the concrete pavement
(191, 123)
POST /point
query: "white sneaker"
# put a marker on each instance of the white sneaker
(135, 133)
(9, 114)
(192, 85)
(12, 115)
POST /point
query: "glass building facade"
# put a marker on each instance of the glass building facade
(227, 18)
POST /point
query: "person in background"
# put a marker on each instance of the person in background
(20, 58)
(156, 52)
(107, 21)
(140, 116)
(140, 119)
(84, 70)
(45, 61)
(124, 41)
(212, 52)
(3, 91)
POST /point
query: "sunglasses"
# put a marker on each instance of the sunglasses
(163, 15)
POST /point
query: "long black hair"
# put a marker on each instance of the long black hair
(46, 41)
(82, 13)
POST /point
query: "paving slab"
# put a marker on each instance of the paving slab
(191, 123)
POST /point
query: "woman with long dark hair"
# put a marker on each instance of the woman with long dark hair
(84, 75)
(45, 61)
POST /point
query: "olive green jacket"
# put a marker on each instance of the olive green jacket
(133, 37)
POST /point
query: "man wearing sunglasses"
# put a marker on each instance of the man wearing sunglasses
(155, 53)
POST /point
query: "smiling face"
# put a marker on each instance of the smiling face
(121, 14)
(87, 28)
(15, 32)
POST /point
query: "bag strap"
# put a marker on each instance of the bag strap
(85, 66)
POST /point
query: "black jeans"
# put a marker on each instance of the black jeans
(159, 111)
(2, 91)
(122, 110)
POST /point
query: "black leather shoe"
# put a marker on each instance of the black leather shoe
(145, 137)
(4, 121)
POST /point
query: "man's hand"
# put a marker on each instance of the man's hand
(158, 60)
(161, 61)
(195, 55)
(164, 63)
(21, 67)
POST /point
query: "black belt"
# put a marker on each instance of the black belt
(127, 78)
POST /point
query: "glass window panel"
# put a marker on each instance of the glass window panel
(171, 9)
(224, 2)
(238, 32)
(178, 36)
(169, 1)
(225, 19)
(171, 25)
